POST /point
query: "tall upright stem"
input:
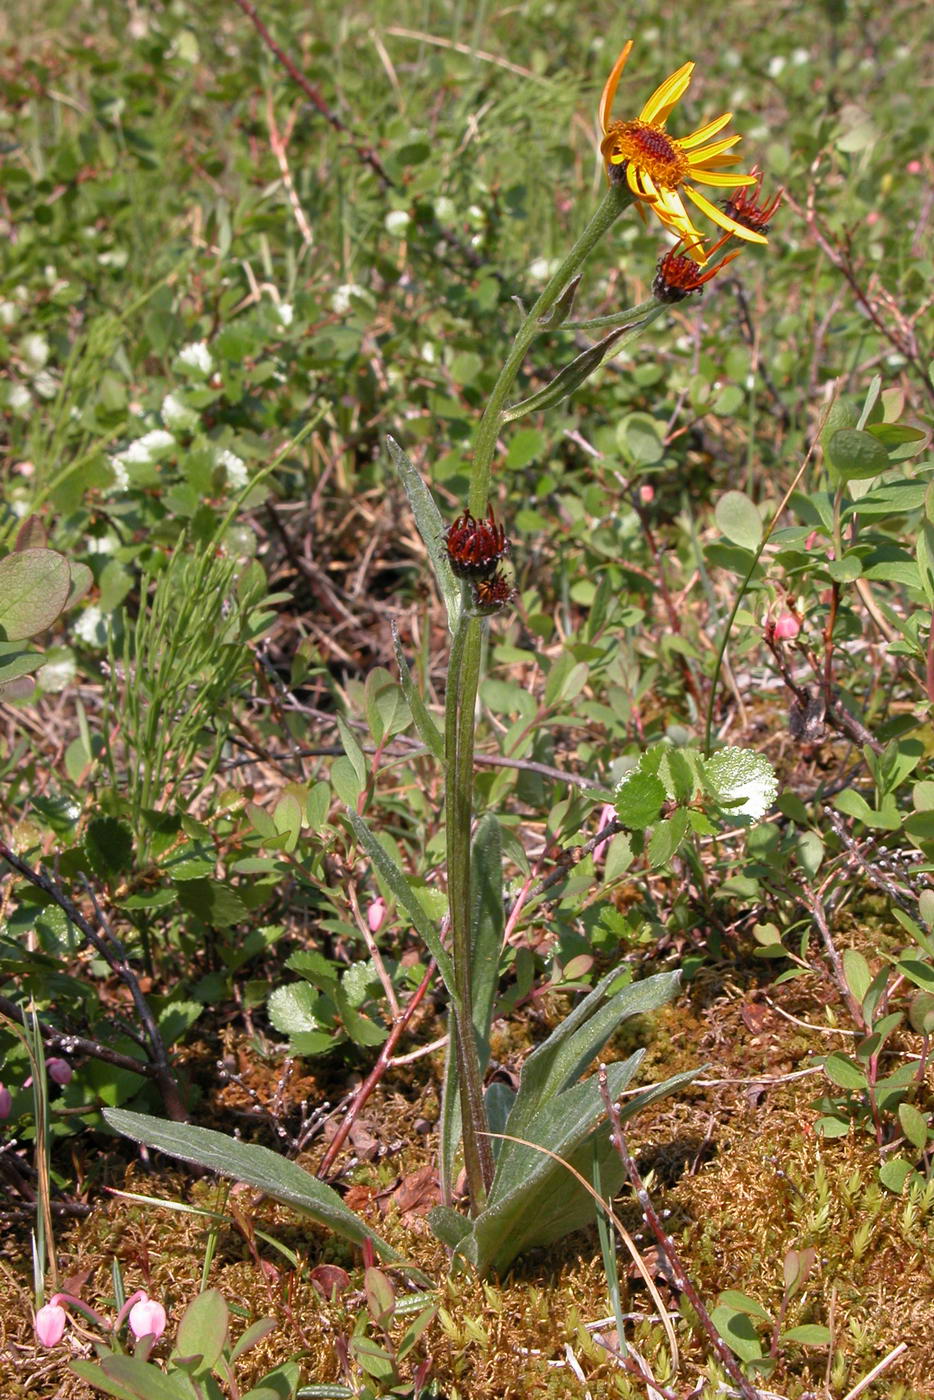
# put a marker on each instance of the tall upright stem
(460, 703)
(463, 678)
(616, 199)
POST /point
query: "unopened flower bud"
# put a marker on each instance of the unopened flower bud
(59, 1070)
(376, 914)
(50, 1323)
(6, 1102)
(786, 627)
(147, 1318)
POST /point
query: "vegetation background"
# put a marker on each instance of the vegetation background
(219, 289)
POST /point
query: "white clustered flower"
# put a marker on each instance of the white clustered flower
(8, 312)
(197, 356)
(177, 414)
(121, 478)
(397, 221)
(286, 312)
(542, 268)
(91, 626)
(18, 397)
(34, 349)
(148, 447)
(235, 467)
(343, 297)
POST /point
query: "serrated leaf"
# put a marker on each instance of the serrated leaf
(742, 781)
(639, 799)
(216, 904)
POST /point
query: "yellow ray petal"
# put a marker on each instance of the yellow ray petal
(704, 132)
(726, 179)
(722, 219)
(667, 94)
(707, 155)
(610, 86)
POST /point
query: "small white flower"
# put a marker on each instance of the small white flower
(235, 467)
(121, 478)
(34, 349)
(18, 398)
(91, 626)
(8, 312)
(397, 221)
(197, 356)
(149, 447)
(343, 297)
(775, 65)
(177, 414)
(542, 268)
(286, 312)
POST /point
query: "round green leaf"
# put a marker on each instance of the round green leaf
(739, 520)
(34, 588)
(853, 455)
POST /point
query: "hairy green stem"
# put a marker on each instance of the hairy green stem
(463, 679)
(616, 199)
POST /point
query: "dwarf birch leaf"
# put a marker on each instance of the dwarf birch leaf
(34, 588)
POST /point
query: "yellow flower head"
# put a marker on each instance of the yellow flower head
(657, 167)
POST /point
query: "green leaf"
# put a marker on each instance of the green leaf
(202, 1331)
(742, 782)
(738, 1331)
(345, 781)
(811, 1334)
(109, 846)
(428, 731)
(216, 904)
(639, 799)
(571, 377)
(894, 1173)
(914, 1125)
(404, 895)
(260, 1168)
(739, 520)
(844, 1072)
(292, 1009)
(853, 455)
(34, 588)
(742, 1302)
(431, 528)
(283, 1383)
(92, 1373)
(254, 1334)
(857, 973)
(145, 1381)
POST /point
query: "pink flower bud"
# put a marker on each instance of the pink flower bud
(58, 1070)
(6, 1102)
(50, 1323)
(787, 627)
(147, 1318)
(646, 494)
(376, 914)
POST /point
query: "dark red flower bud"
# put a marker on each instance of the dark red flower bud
(491, 594)
(744, 208)
(475, 547)
(678, 274)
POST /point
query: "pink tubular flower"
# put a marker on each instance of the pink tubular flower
(147, 1318)
(6, 1102)
(59, 1070)
(50, 1323)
